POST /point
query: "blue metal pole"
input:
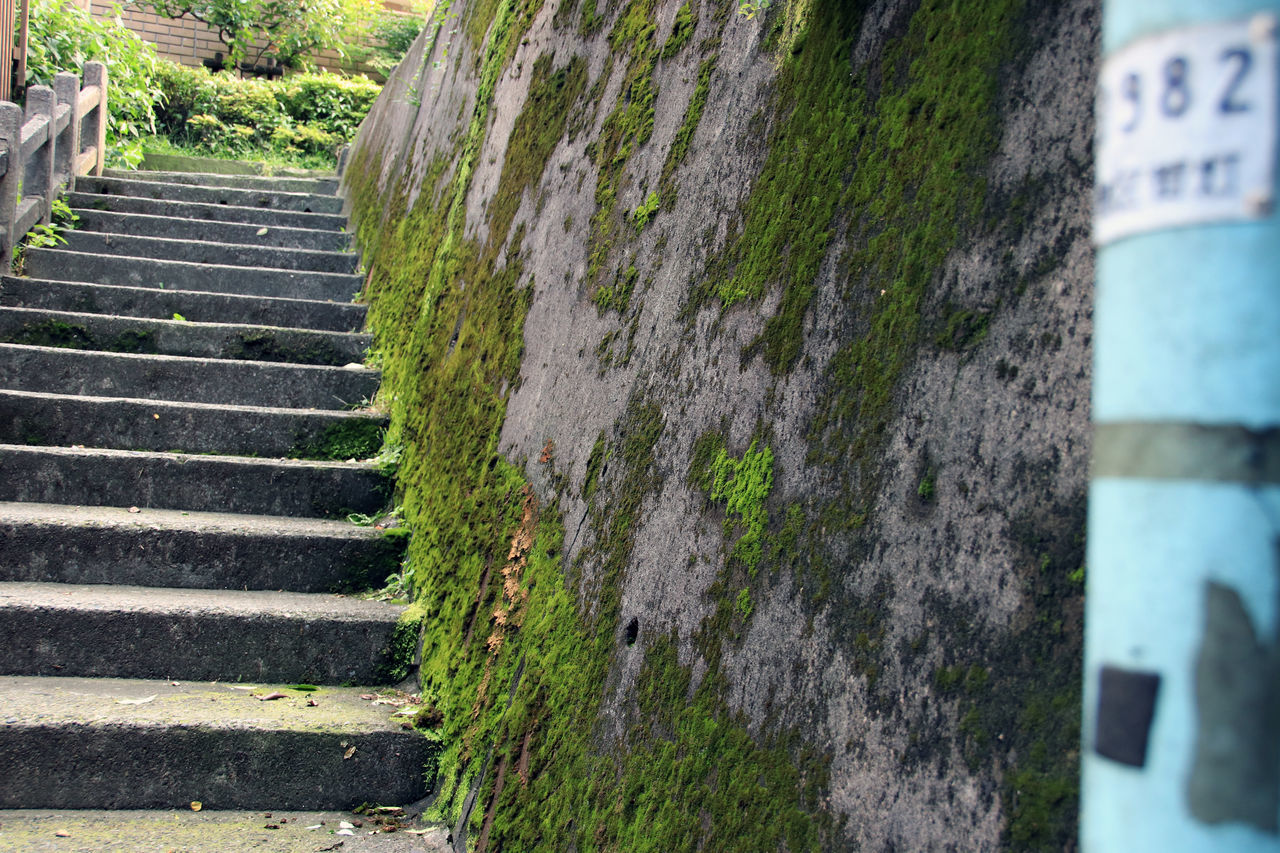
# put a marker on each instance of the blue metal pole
(1181, 730)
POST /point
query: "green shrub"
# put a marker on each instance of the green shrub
(63, 37)
(331, 102)
(303, 114)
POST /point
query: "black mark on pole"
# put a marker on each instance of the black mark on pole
(1236, 774)
(1126, 705)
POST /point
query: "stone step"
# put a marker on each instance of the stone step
(184, 379)
(210, 212)
(63, 420)
(143, 225)
(115, 631)
(262, 199)
(75, 330)
(315, 186)
(237, 484)
(195, 305)
(209, 831)
(77, 743)
(63, 265)
(204, 252)
(54, 543)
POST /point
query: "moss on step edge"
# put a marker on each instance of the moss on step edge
(348, 438)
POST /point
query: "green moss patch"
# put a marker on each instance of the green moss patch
(349, 438)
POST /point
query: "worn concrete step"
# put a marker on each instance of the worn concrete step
(127, 743)
(194, 305)
(316, 186)
(269, 830)
(55, 543)
(63, 265)
(205, 252)
(183, 379)
(115, 631)
(64, 420)
(263, 199)
(142, 225)
(106, 477)
(209, 831)
(108, 333)
(210, 212)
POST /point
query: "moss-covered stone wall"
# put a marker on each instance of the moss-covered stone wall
(737, 368)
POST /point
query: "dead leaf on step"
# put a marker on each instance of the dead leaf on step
(134, 509)
(136, 701)
(367, 696)
(350, 752)
(270, 696)
(262, 232)
(196, 805)
(62, 833)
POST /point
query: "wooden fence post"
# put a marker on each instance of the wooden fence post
(39, 177)
(67, 124)
(11, 139)
(95, 74)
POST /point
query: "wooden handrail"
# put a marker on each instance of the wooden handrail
(61, 136)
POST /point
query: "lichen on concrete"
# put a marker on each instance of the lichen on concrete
(740, 367)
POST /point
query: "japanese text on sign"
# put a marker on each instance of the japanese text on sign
(1186, 124)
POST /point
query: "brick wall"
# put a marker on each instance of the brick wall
(190, 42)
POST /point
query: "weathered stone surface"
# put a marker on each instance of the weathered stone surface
(921, 631)
(75, 743)
(205, 211)
(66, 420)
(169, 377)
(200, 178)
(167, 247)
(127, 831)
(180, 336)
(271, 199)
(192, 304)
(118, 631)
(52, 543)
(64, 265)
(105, 477)
(246, 234)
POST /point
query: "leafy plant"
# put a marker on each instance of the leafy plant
(289, 29)
(63, 37)
(386, 40)
(302, 118)
(750, 8)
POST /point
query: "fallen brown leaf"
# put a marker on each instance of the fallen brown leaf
(196, 805)
(270, 696)
(350, 752)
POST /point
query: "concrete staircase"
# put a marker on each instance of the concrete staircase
(180, 395)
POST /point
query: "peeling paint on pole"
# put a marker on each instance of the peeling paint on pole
(1182, 648)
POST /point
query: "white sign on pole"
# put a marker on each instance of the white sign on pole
(1186, 129)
